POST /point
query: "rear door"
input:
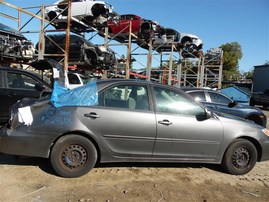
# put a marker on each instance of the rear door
(123, 121)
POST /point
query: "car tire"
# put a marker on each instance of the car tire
(240, 157)
(73, 156)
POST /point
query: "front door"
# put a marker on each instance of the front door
(180, 133)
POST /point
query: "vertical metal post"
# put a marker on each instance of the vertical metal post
(106, 37)
(198, 73)
(220, 71)
(202, 72)
(185, 78)
(171, 63)
(41, 44)
(19, 20)
(67, 37)
(149, 59)
(179, 69)
(128, 59)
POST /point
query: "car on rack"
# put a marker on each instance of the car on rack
(16, 84)
(118, 27)
(82, 52)
(14, 46)
(89, 12)
(163, 40)
(130, 121)
(218, 102)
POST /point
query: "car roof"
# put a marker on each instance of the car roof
(189, 89)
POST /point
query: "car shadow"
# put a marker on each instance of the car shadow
(44, 164)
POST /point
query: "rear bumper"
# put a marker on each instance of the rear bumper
(23, 144)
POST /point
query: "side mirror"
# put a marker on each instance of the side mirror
(204, 116)
(232, 104)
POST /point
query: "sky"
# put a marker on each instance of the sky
(216, 22)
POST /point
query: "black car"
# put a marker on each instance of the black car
(218, 102)
(13, 45)
(16, 84)
(82, 52)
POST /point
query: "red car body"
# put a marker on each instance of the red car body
(122, 24)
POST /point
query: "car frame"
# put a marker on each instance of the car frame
(224, 104)
(130, 121)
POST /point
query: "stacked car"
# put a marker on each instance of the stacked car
(14, 45)
(99, 15)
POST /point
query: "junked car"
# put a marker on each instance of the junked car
(82, 52)
(219, 102)
(119, 27)
(93, 13)
(130, 121)
(163, 40)
(13, 45)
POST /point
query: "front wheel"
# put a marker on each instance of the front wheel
(73, 156)
(240, 157)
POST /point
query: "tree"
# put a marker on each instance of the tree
(232, 53)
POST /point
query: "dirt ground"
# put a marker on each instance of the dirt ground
(33, 180)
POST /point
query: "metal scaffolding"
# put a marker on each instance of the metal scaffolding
(205, 70)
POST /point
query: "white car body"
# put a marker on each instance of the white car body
(75, 80)
(80, 10)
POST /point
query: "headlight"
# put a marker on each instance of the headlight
(265, 131)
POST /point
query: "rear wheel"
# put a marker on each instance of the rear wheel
(73, 156)
(240, 157)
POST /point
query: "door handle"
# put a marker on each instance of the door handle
(165, 122)
(92, 115)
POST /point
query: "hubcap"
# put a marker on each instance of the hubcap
(74, 156)
(241, 158)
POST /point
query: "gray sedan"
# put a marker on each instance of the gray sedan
(130, 121)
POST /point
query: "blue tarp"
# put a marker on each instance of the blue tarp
(86, 95)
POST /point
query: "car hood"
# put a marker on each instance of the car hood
(247, 107)
(223, 117)
(10, 31)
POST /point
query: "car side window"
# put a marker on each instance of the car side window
(132, 97)
(218, 98)
(73, 79)
(20, 81)
(169, 101)
(198, 96)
